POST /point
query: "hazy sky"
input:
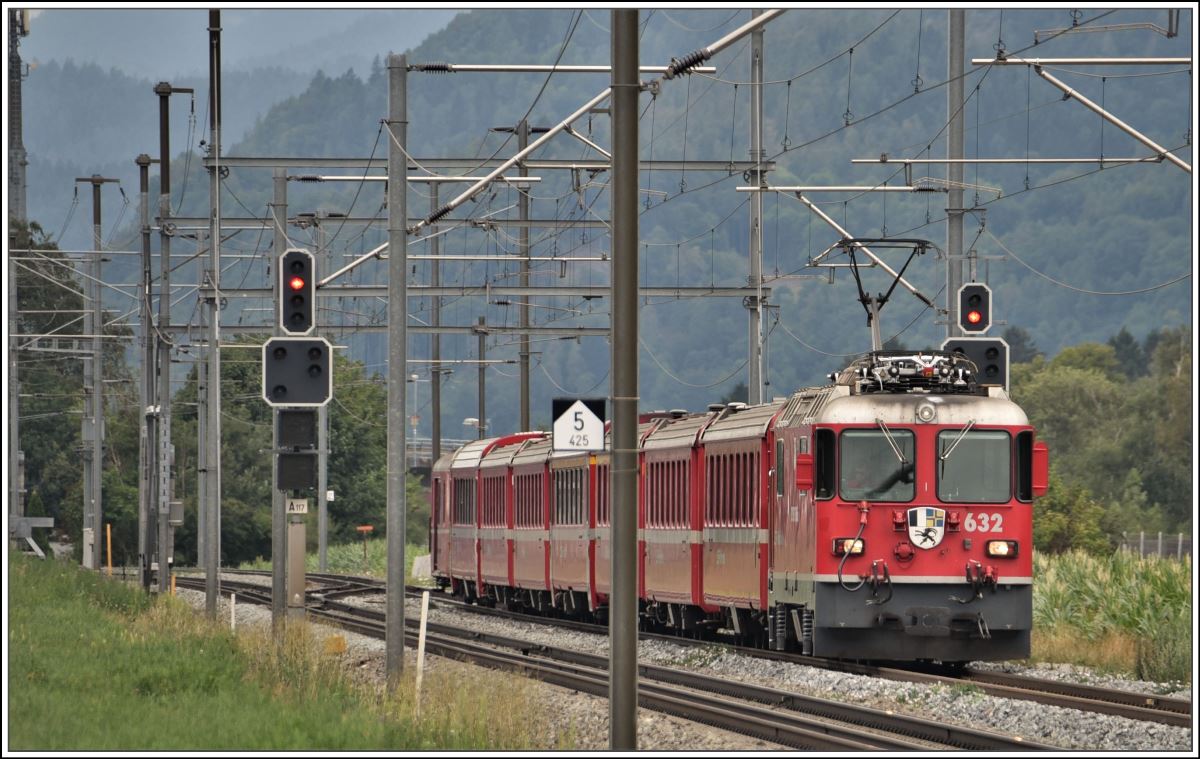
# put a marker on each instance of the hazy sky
(169, 43)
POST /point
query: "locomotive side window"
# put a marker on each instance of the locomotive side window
(871, 469)
(826, 463)
(779, 473)
(1025, 466)
(976, 470)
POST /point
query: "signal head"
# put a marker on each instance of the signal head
(296, 296)
(974, 308)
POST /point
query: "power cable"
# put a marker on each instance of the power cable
(1079, 289)
(685, 382)
(361, 182)
(814, 69)
(667, 16)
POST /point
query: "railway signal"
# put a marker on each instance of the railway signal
(296, 437)
(974, 308)
(989, 354)
(296, 301)
(297, 372)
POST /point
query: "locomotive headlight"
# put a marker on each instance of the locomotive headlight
(1004, 549)
(926, 412)
(843, 546)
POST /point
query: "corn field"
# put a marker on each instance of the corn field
(1146, 601)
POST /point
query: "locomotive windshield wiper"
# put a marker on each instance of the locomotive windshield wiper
(957, 440)
(891, 441)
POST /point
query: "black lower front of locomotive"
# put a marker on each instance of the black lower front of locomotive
(933, 622)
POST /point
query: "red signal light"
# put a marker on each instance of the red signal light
(296, 283)
(974, 317)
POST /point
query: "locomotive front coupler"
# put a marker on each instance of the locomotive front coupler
(979, 577)
(877, 579)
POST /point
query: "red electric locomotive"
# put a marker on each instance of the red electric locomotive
(887, 516)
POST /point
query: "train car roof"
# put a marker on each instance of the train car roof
(535, 451)
(739, 424)
(468, 456)
(677, 433)
(901, 408)
(502, 452)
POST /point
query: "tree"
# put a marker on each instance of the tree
(1130, 358)
(1093, 357)
(1066, 518)
(1021, 348)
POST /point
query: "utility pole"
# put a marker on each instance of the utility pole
(164, 90)
(322, 269)
(623, 622)
(435, 383)
(16, 506)
(213, 285)
(397, 506)
(757, 178)
(93, 389)
(18, 27)
(279, 554)
(148, 448)
(954, 151)
(481, 330)
(523, 211)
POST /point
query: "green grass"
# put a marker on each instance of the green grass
(347, 558)
(1118, 612)
(95, 665)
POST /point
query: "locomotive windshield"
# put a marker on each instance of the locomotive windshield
(870, 468)
(977, 469)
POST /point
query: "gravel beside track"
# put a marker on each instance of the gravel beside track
(961, 705)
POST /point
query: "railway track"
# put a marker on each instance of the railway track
(789, 719)
(1140, 706)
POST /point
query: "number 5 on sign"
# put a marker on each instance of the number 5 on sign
(578, 424)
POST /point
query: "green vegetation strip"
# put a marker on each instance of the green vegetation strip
(1117, 611)
(95, 665)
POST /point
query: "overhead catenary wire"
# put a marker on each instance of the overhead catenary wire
(1059, 283)
(541, 365)
(812, 70)
(732, 16)
(358, 190)
(683, 381)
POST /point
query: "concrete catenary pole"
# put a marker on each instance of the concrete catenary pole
(93, 387)
(213, 276)
(481, 331)
(523, 239)
(435, 353)
(16, 507)
(757, 178)
(397, 506)
(622, 625)
(278, 515)
(96, 399)
(162, 508)
(954, 212)
(322, 265)
(148, 448)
